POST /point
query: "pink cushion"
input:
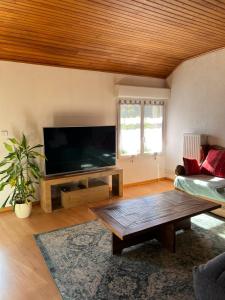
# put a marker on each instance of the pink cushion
(191, 166)
(214, 164)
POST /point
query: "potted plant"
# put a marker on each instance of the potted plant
(20, 171)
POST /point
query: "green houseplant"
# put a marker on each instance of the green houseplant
(20, 171)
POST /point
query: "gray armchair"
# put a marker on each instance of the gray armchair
(209, 279)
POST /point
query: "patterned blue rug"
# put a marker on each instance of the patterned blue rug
(80, 261)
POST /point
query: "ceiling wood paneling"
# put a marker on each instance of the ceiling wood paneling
(140, 37)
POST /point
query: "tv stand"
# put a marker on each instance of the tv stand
(48, 182)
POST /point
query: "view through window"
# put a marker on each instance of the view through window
(141, 128)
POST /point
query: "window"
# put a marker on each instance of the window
(130, 129)
(140, 127)
(153, 128)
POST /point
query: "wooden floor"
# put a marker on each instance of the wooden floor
(23, 273)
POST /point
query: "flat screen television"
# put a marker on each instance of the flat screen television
(76, 149)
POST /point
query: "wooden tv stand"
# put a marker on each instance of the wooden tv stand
(48, 182)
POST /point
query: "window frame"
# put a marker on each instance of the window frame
(142, 104)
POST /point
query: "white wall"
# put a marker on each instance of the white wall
(33, 96)
(197, 104)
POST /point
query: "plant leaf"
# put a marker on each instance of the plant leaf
(34, 173)
(35, 198)
(10, 156)
(5, 202)
(3, 162)
(8, 147)
(37, 146)
(3, 171)
(2, 185)
(12, 200)
(24, 142)
(20, 170)
(12, 182)
(14, 141)
(36, 154)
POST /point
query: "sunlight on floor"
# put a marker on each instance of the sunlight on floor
(222, 235)
(206, 221)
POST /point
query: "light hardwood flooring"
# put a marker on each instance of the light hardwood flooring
(23, 272)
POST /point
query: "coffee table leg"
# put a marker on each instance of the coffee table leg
(168, 237)
(117, 245)
(184, 224)
(187, 224)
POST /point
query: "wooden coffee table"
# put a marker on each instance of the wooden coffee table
(159, 216)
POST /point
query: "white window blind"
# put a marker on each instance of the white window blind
(140, 126)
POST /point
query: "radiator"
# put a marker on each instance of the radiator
(192, 145)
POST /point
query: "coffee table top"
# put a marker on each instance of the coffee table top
(137, 215)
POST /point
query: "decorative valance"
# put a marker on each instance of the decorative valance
(140, 100)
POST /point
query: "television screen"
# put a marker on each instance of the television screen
(74, 149)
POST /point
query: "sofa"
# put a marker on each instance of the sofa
(209, 279)
(206, 180)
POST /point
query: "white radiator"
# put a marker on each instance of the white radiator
(192, 145)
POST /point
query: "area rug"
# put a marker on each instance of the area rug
(80, 261)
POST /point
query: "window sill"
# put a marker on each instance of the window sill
(145, 155)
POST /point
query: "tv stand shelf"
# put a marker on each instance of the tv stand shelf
(48, 182)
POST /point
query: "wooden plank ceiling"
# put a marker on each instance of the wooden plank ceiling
(139, 37)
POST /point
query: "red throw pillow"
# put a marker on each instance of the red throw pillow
(191, 166)
(214, 164)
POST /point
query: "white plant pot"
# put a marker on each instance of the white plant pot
(23, 210)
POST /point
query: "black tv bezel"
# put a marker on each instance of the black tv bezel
(91, 170)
